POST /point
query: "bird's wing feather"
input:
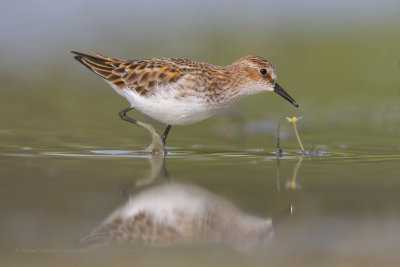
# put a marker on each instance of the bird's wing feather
(139, 75)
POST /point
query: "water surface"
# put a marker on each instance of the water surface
(341, 206)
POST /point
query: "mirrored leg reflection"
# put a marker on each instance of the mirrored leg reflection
(157, 166)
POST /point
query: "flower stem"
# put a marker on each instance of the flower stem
(298, 137)
(278, 139)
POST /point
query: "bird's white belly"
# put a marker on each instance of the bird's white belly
(171, 110)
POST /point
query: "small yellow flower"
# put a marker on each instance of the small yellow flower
(293, 119)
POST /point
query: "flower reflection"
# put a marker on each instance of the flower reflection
(292, 184)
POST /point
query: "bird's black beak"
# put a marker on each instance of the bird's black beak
(279, 90)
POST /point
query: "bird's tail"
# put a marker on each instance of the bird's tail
(99, 64)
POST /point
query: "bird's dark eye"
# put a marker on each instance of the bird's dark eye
(263, 71)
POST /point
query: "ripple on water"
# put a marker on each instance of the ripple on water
(203, 153)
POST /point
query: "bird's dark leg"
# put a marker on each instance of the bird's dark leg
(157, 144)
(123, 116)
(165, 134)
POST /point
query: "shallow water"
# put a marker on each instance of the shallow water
(341, 206)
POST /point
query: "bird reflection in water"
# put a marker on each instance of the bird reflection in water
(173, 214)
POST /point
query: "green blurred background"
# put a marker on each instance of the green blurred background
(339, 60)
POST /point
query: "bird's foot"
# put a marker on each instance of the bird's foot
(157, 146)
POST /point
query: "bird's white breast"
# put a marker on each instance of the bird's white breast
(167, 107)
